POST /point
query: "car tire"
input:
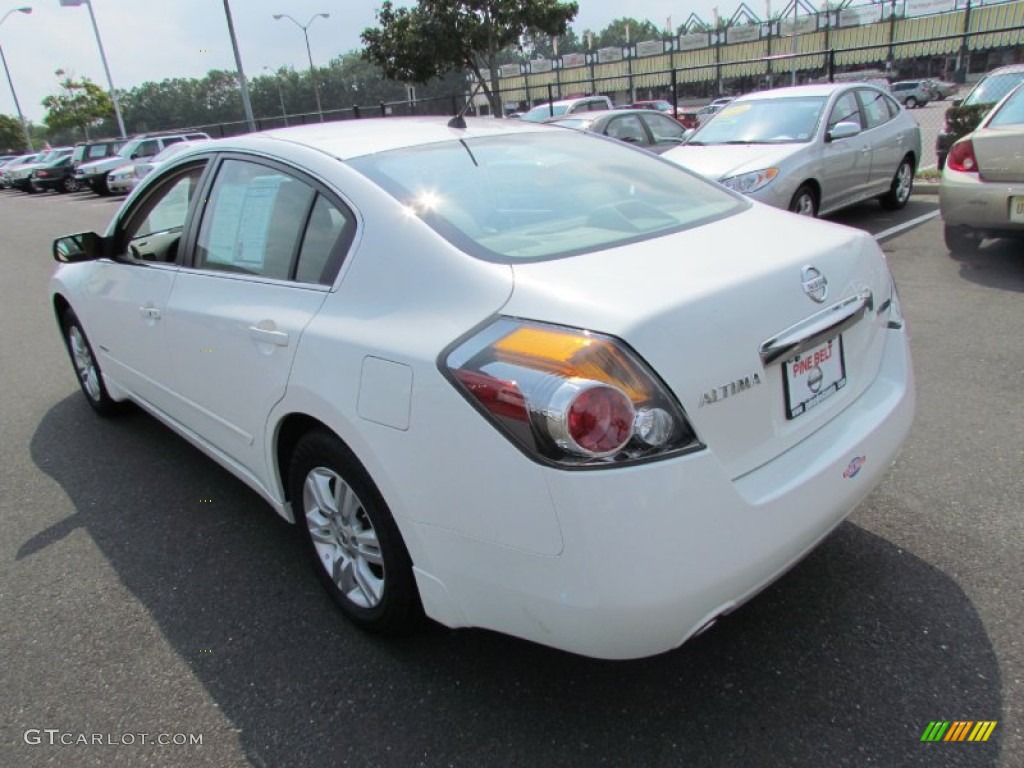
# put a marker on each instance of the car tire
(83, 359)
(69, 184)
(901, 188)
(101, 188)
(910, 102)
(804, 202)
(961, 240)
(358, 553)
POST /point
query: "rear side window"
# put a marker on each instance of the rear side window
(876, 110)
(253, 220)
(327, 235)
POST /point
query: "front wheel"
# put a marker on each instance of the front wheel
(359, 554)
(90, 377)
(961, 240)
(804, 202)
(70, 184)
(100, 187)
(901, 188)
(910, 102)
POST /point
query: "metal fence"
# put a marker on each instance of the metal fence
(690, 86)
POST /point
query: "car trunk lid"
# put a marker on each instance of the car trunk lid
(999, 155)
(713, 309)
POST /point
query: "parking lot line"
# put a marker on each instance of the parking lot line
(885, 234)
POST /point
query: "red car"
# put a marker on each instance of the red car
(686, 119)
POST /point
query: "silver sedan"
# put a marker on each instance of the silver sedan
(982, 189)
(810, 149)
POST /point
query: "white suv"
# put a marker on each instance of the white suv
(140, 148)
(544, 111)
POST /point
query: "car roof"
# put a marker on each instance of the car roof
(815, 89)
(1007, 70)
(353, 138)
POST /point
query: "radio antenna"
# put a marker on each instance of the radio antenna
(459, 121)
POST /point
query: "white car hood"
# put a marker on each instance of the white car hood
(720, 161)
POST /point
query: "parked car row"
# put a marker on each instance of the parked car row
(108, 166)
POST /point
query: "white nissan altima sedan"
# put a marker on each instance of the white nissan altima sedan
(509, 377)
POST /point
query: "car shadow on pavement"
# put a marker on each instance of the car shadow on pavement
(844, 661)
(997, 264)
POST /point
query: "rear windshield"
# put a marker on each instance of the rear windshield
(541, 113)
(525, 197)
(1012, 111)
(993, 88)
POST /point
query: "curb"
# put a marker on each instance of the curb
(925, 188)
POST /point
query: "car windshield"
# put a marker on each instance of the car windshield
(764, 121)
(1011, 112)
(542, 112)
(993, 88)
(523, 197)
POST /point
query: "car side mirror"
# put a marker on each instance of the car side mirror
(844, 130)
(85, 246)
(956, 102)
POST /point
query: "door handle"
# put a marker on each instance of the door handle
(267, 336)
(150, 313)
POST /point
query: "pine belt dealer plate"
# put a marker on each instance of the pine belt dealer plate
(813, 376)
(1017, 209)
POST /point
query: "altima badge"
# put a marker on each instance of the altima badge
(716, 394)
(815, 284)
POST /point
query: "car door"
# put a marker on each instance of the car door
(846, 163)
(885, 137)
(267, 247)
(127, 294)
(665, 132)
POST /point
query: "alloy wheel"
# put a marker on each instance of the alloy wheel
(344, 537)
(85, 366)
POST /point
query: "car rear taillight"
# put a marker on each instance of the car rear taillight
(569, 396)
(961, 157)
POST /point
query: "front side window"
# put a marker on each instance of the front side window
(846, 110)
(253, 221)
(153, 230)
(764, 121)
(664, 129)
(543, 195)
(626, 128)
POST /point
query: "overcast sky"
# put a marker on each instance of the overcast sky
(159, 39)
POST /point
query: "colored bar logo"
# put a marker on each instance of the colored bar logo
(959, 730)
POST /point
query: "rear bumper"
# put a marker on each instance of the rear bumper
(654, 552)
(966, 201)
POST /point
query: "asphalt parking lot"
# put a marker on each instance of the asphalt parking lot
(144, 591)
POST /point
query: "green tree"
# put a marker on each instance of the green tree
(615, 33)
(418, 44)
(79, 104)
(11, 135)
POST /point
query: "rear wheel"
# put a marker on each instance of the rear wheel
(69, 184)
(90, 377)
(961, 240)
(805, 201)
(358, 552)
(901, 188)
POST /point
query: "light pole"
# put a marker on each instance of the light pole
(21, 117)
(103, 56)
(305, 32)
(280, 94)
(243, 86)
